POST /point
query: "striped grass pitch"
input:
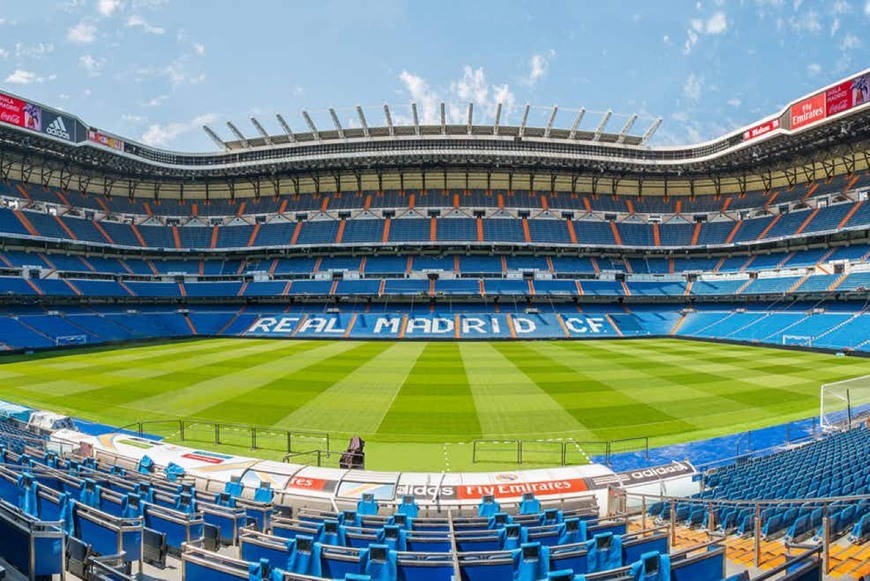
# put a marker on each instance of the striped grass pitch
(420, 404)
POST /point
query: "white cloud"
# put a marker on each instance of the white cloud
(807, 21)
(841, 7)
(136, 21)
(680, 116)
(37, 50)
(692, 88)
(851, 42)
(814, 69)
(471, 87)
(716, 25)
(198, 48)
(4, 53)
(92, 65)
(867, 8)
(735, 102)
(82, 33)
(156, 101)
(132, 118)
(163, 135)
(22, 77)
(666, 39)
(538, 65)
(835, 26)
(108, 7)
(421, 94)
(691, 41)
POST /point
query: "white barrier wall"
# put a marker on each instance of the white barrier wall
(300, 482)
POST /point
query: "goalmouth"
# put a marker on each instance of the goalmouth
(844, 404)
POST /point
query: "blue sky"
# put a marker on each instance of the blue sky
(156, 70)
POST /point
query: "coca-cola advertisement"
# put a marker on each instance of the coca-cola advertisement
(839, 98)
(808, 111)
(12, 110)
(20, 113)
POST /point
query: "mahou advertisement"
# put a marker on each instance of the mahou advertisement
(761, 129)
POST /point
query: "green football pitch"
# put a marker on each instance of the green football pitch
(420, 405)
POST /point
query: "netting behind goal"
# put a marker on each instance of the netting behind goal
(845, 404)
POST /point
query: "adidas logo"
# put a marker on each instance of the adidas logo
(57, 128)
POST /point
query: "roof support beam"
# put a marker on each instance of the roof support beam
(626, 128)
(576, 124)
(602, 125)
(389, 117)
(238, 134)
(443, 120)
(363, 122)
(217, 140)
(416, 118)
(550, 121)
(525, 119)
(336, 122)
(261, 131)
(652, 129)
(286, 128)
(311, 125)
(470, 116)
(497, 119)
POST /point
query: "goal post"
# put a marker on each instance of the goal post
(797, 340)
(65, 340)
(844, 404)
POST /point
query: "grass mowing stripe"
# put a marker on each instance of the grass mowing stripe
(158, 393)
(679, 394)
(98, 364)
(582, 394)
(357, 402)
(247, 396)
(288, 391)
(438, 385)
(258, 365)
(507, 401)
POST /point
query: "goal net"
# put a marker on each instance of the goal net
(845, 404)
(798, 340)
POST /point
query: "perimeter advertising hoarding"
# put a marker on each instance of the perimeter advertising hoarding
(107, 140)
(839, 98)
(761, 129)
(20, 113)
(59, 125)
(808, 111)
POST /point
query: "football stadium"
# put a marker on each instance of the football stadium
(416, 348)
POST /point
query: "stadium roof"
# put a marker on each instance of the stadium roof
(817, 136)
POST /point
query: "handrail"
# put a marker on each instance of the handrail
(789, 562)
